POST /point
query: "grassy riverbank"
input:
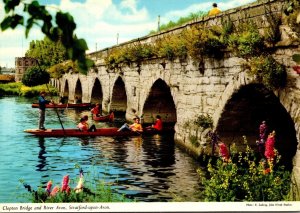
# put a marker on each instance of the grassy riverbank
(17, 88)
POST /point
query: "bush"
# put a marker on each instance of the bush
(246, 41)
(268, 71)
(35, 76)
(204, 121)
(245, 178)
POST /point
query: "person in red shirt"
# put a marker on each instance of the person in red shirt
(84, 126)
(158, 125)
(96, 110)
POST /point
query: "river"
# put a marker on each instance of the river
(146, 168)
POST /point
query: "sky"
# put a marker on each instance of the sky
(103, 23)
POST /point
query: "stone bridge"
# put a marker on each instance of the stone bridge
(179, 92)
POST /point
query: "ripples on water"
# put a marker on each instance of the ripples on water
(147, 168)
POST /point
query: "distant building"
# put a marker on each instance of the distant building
(7, 71)
(22, 64)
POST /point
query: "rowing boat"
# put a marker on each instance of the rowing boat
(105, 118)
(111, 131)
(82, 105)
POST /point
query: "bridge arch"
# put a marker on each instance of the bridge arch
(247, 108)
(97, 92)
(118, 98)
(78, 90)
(66, 89)
(159, 101)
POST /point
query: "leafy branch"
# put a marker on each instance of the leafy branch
(62, 30)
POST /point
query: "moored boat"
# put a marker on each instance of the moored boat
(111, 131)
(105, 118)
(81, 105)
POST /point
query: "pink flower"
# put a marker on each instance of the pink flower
(49, 185)
(65, 184)
(54, 191)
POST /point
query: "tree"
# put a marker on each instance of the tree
(47, 52)
(35, 76)
(62, 30)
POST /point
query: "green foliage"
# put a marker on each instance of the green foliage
(47, 52)
(102, 193)
(62, 30)
(227, 29)
(245, 178)
(246, 42)
(19, 89)
(292, 11)
(194, 140)
(268, 71)
(204, 121)
(171, 47)
(181, 21)
(94, 190)
(273, 33)
(57, 70)
(35, 76)
(296, 58)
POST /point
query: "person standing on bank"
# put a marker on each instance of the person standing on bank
(215, 10)
(42, 108)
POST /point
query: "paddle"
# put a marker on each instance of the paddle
(55, 109)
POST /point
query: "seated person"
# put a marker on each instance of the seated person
(84, 126)
(215, 10)
(135, 127)
(96, 110)
(158, 125)
(77, 100)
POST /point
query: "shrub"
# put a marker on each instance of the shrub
(35, 76)
(246, 41)
(194, 140)
(292, 11)
(245, 178)
(268, 71)
(204, 121)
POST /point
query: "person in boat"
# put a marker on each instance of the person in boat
(97, 110)
(62, 100)
(158, 125)
(42, 109)
(215, 10)
(135, 127)
(77, 100)
(84, 126)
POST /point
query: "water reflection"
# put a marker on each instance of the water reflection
(42, 159)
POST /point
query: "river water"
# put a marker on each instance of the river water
(146, 168)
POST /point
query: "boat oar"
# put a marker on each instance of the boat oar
(62, 126)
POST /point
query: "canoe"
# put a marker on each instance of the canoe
(111, 131)
(82, 105)
(105, 118)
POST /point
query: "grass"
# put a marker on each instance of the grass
(17, 88)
